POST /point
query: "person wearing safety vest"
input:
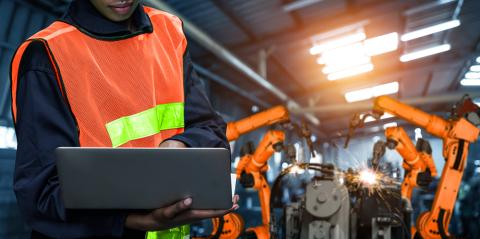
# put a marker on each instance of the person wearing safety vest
(109, 73)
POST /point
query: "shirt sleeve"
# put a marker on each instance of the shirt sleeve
(203, 126)
(44, 122)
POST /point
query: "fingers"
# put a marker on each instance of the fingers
(235, 199)
(180, 213)
(196, 215)
(173, 210)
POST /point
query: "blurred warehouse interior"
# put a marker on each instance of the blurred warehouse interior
(324, 60)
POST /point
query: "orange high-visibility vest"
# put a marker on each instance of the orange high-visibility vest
(124, 92)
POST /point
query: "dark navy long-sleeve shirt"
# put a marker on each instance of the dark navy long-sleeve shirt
(44, 122)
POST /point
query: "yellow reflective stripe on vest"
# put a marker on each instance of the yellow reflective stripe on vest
(181, 232)
(146, 123)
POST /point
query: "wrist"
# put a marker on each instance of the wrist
(137, 222)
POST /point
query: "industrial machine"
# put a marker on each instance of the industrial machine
(322, 213)
(457, 133)
(336, 204)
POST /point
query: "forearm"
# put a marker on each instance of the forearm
(203, 126)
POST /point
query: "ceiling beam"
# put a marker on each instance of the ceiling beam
(295, 36)
(223, 6)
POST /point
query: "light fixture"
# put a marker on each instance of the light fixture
(425, 52)
(475, 68)
(478, 59)
(430, 30)
(319, 48)
(348, 63)
(368, 93)
(341, 54)
(358, 95)
(381, 44)
(388, 125)
(350, 72)
(351, 54)
(472, 75)
(385, 89)
(470, 82)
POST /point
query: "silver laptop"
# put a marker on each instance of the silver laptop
(144, 178)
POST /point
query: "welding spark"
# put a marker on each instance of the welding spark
(368, 177)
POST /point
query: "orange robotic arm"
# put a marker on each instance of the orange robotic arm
(456, 136)
(253, 166)
(271, 116)
(414, 162)
(250, 171)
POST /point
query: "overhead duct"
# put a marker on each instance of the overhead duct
(206, 41)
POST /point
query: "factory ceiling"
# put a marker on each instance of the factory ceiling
(284, 31)
(248, 27)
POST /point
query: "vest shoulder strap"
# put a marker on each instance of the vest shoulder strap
(56, 29)
(171, 24)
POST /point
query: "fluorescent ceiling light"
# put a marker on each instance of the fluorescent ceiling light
(368, 93)
(430, 30)
(470, 82)
(475, 68)
(358, 95)
(319, 48)
(350, 72)
(340, 54)
(425, 52)
(370, 47)
(385, 89)
(348, 63)
(472, 75)
(381, 44)
(388, 125)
